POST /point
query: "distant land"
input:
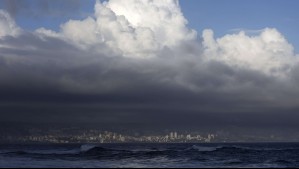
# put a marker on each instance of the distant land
(63, 134)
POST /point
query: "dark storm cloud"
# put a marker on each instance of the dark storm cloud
(57, 82)
(98, 70)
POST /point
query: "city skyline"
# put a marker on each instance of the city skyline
(93, 136)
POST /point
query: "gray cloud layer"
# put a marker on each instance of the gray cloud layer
(47, 78)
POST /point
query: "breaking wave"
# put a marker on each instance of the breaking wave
(88, 150)
(159, 155)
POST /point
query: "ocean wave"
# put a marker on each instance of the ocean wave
(182, 155)
(87, 147)
(89, 151)
(216, 148)
(145, 150)
(98, 151)
(84, 149)
(235, 148)
(245, 148)
(283, 162)
(202, 149)
(42, 152)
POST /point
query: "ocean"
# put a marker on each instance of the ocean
(258, 155)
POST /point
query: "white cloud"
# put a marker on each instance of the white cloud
(137, 29)
(141, 29)
(43, 32)
(82, 32)
(8, 26)
(268, 52)
(163, 17)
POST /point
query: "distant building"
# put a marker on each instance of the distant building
(171, 135)
(175, 135)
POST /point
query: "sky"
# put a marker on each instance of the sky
(159, 64)
(222, 16)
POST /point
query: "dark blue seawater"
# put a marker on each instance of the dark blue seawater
(151, 155)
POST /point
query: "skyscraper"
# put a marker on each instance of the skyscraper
(175, 135)
(171, 135)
